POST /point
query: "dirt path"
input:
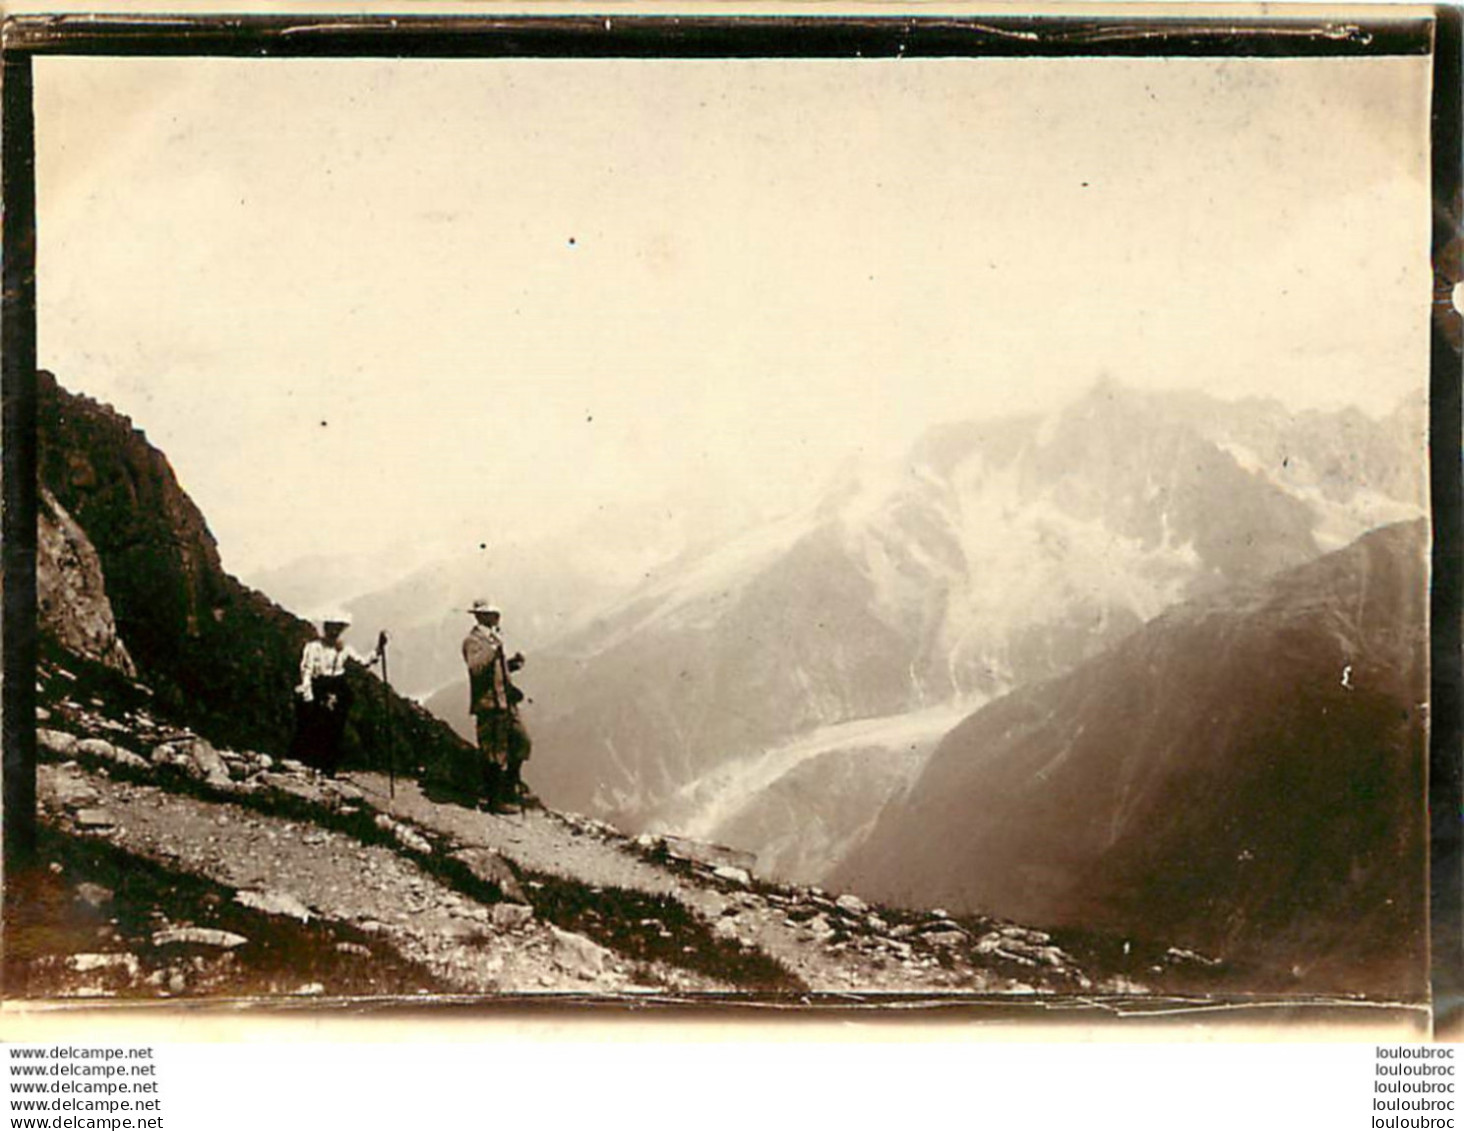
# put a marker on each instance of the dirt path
(817, 945)
(307, 870)
(529, 902)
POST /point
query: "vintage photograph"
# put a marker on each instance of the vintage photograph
(803, 530)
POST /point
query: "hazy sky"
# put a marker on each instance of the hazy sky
(358, 302)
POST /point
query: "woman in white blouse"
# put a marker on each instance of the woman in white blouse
(323, 696)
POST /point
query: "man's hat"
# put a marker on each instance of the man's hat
(482, 606)
(336, 616)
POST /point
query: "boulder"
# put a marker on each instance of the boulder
(274, 903)
(104, 751)
(115, 960)
(712, 855)
(404, 835)
(510, 916)
(576, 954)
(198, 936)
(95, 819)
(491, 868)
(93, 895)
(71, 592)
(96, 748)
(851, 903)
(57, 742)
(292, 785)
(729, 929)
(73, 792)
(196, 757)
(733, 875)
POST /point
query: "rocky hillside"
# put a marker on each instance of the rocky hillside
(1245, 775)
(172, 868)
(994, 555)
(215, 654)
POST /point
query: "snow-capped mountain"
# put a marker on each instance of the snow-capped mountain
(994, 554)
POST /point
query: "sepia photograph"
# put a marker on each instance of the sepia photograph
(669, 524)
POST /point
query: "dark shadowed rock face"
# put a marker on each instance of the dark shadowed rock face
(218, 655)
(1244, 775)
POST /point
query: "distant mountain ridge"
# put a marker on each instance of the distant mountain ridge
(996, 554)
(1244, 775)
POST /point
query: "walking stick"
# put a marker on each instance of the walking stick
(386, 712)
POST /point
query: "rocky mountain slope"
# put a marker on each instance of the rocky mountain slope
(174, 868)
(216, 655)
(995, 554)
(1244, 775)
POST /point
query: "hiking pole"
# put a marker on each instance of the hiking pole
(386, 712)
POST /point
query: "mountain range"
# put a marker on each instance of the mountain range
(993, 555)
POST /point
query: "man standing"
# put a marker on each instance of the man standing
(493, 700)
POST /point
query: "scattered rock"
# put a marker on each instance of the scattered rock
(509, 916)
(409, 838)
(577, 954)
(1026, 934)
(274, 903)
(403, 834)
(93, 895)
(198, 936)
(127, 758)
(1179, 954)
(733, 875)
(945, 939)
(197, 758)
(851, 903)
(491, 868)
(73, 793)
(344, 789)
(729, 929)
(310, 989)
(354, 948)
(295, 786)
(87, 963)
(712, 855)
(95, 819)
